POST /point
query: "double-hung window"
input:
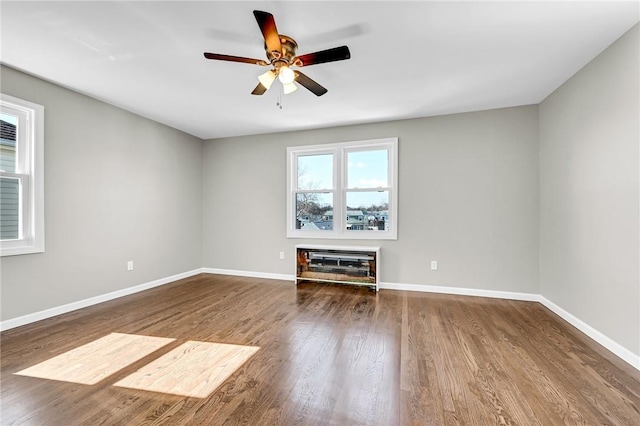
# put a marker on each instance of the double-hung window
(346, 190)
(21, 177)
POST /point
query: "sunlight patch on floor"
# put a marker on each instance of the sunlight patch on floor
(90, 363)
(193, 369)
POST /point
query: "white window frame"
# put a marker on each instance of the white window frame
(30, 172)
(339, 190)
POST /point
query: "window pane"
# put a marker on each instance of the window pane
(9, 208)
(368, 169)
(368, 211)
(8, 142)
(315, 171)
(314, 211)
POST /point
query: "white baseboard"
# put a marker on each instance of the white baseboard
(623, 353)
(527, 297)
(59, 310)
(250, 274)
(620, 351)
(614, 347)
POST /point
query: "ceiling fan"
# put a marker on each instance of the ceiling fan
(281, 55)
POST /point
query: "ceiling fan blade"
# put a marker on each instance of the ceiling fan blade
(231, 58)
(259, 90)
(310, 84)
(336, 54)
(269, 31)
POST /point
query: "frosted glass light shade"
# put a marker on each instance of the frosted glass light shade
(267, 78)
(286, 76)
(289, 88)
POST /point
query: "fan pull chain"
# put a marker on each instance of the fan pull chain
(279, 98)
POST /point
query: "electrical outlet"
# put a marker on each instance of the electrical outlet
(130, 265)
(434, 265)
(281, 255)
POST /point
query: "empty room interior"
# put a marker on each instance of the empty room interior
(336, 213)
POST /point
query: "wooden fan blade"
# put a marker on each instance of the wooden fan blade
(231, 58)
(259, 90)
(310, 84)
(269, 31)
(336, 54)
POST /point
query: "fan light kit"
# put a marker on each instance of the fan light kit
(281, 55)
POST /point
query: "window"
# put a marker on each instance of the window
(21, 177)
(347, 190)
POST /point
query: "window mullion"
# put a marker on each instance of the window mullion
(378, 189)
(313, 191)
(339, 218)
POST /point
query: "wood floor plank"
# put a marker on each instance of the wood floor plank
(329, 355)
(192, 369)
(93, 362)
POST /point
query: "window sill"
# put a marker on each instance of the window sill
(15, 248)
(348, 235)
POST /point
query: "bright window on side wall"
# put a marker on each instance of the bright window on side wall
(21, 177)
(345, 190)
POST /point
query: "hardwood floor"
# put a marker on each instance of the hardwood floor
(329, 355)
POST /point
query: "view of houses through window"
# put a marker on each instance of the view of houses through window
(366, 193)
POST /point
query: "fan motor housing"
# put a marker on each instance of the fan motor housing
(289, 48)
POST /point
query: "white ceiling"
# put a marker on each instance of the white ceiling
(408, 59)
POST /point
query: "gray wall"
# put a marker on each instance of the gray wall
(118, 187)
(535, 199)
(468, 197)
(589, 185)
